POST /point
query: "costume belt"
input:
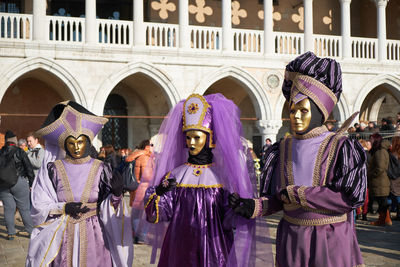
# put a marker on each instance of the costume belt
(316, 222)
(85, 215)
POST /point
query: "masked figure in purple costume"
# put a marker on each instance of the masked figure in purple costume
(191, 192)
(77, 201)
(315, 176)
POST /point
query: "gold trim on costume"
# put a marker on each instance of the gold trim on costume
(89, 183)
(199, 186)
(311, 134)
(198, 126)
(84, 217)
(316, 222)
(69, 196)
(289, 162)
(205, 166)
(302, 195)
(150, 199)
(290, 190)
(331, 154)
(282, 148)
(82, 244)
(257, 208)
(318, 161)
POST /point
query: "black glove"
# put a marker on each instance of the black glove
(74, 208)
(117, 184)
(284, 196)
(165, 186)
(242, 206)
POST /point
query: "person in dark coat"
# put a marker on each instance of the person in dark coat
(18, 194)
(378, 181)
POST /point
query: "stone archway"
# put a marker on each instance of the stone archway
(149, 94)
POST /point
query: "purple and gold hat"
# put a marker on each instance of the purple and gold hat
(197, 115)
(71, 123)
(319, 79)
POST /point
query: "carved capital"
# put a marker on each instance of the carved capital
(381, 3)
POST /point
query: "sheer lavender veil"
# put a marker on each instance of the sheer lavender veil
(230, 159)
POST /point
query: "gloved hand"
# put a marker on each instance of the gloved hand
(165, 186)
(74, 209)
(284, 196)
(242, 206)
(117, 184)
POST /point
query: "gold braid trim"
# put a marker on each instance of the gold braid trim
(302, 195)
(257, 208)
(289, 163)
(332, 152)
(90, 180)
(83, 217)
(318, 160)
(199, 166)
(157, 209)
(70, 243)
(150, 199)
(282, 148)
(82, 244)
(316, 222)
(199, 186)
(64, 180)
(290, 190)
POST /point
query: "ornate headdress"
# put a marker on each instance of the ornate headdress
(71, 122)
(319, 79)
(197, 115)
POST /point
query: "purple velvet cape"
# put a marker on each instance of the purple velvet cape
(343, 161)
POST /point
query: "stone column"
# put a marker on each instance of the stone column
(308, 26)
(345, 28)
(381, 15)
(227, 40)
(269, 41)
(184, 41)
(40, 29)
(139, 33)
(90, 21)
(269, 129)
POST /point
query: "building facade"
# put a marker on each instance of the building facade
(133, 60)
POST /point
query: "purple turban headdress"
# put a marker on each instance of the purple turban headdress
(197, 115)
(319, 79)
(70, 121)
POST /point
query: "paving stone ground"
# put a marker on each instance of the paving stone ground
(380, 246)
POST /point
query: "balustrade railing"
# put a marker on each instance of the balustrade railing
(15, 26)
(364, 48)
(393, 50)
(115, 32)
(162, 34)
(248, 40)
(327, 45)
(207, 38)
(288, 43)
(66, 29)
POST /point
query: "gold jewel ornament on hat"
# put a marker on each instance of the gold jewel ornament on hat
(197, 115)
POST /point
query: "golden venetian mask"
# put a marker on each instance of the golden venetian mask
(300, 116)
(195, 141)
(76, 146)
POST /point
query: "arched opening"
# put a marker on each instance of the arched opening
(381, 102)
(29, 99)
(138, 104)
(115, 131)
(233, 89)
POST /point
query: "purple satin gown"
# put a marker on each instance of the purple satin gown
(197, 210)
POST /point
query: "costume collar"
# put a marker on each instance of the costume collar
(72, 160)
(311, 134)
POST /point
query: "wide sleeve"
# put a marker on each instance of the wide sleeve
(345, 191)
(116, 221)
(159, 208)
(27, 166)
(268, 203)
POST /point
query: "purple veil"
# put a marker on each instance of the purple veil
(230, 159)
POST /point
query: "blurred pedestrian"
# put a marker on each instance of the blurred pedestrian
(35, 152)
(144, 166)
(363, 210)
(378, 181)
(22, 144)
(16, 196)
(395, 183)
